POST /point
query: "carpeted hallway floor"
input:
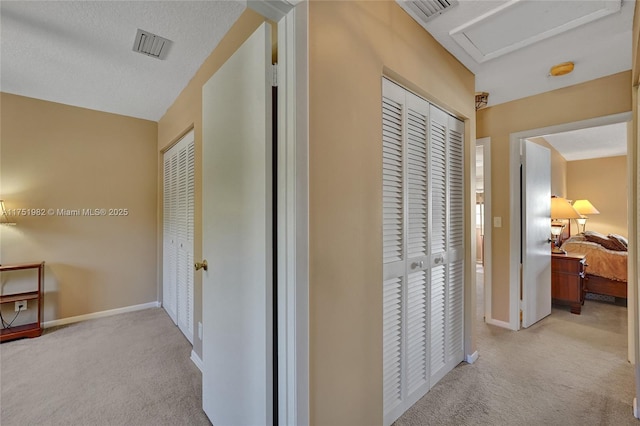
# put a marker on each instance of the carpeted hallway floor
(134, 369)
(128, 369)
(565, 370)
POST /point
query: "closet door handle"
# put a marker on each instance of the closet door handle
(201, 265)
(415, 265)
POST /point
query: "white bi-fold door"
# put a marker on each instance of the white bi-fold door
(178, 226)
(423, 235)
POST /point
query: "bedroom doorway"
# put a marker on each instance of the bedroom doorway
(559, 187)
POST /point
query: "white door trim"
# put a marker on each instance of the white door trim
(293, 207)
(293, 226)
(514, 196)
(633, 266)
(486, 165)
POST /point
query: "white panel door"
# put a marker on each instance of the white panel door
(536, 225)
(237, 238)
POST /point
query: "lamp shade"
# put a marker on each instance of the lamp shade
(585, 207)
(562, 209)
(4, 219)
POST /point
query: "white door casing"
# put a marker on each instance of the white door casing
(485, 143)
(536, 225)
(237, 237)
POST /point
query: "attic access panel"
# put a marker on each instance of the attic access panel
(520, 23)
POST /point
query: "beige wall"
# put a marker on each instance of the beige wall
(183, 115)
(56, 156)
(351, 45)
(603, 181)
(596, 98)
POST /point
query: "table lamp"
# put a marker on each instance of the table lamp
(560, 209)
(584, 207)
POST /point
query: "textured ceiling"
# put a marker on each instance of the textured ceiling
(593, 142)
(80, 52)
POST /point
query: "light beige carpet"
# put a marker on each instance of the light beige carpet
(134, 369)
(129, 369)
(565, 370)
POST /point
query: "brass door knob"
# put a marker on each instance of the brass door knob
(201, 265)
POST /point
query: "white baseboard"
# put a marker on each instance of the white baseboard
(635, 408)
(498, 323)
(101, 314)
(197, 361)
(470, 359)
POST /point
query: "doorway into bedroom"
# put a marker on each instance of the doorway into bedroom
(589, 167)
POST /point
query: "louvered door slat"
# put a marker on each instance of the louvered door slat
(392, 181)
(392, 354)
(173, 194)
(417, 183)
(438, 168)
(456, 185)
(437, 319)
(417, 360)
(455, 302)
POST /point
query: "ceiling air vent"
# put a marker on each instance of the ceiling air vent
(425, 10)
(151, 44)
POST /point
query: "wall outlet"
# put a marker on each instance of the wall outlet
(21, 305)
(200, 330)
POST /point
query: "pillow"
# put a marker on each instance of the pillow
(620, 239)
(604, 241)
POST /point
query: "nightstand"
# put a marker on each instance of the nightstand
(567, 280)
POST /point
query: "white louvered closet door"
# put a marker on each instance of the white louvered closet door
(178, 244)
(170, 238)
(447, 238)
(418, 302)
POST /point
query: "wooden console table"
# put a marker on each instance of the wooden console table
(26, 330)
(567, 280)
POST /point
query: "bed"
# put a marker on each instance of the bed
(606, 260)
